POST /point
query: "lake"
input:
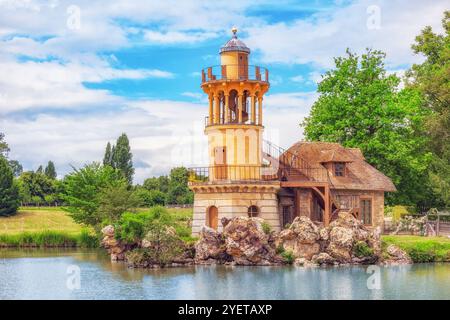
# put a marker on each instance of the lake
(84, 274)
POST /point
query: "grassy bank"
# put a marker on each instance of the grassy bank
(422, 249)
(53, 227)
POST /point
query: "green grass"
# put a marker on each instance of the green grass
(53, 227)
(35, 220)
(421, 249)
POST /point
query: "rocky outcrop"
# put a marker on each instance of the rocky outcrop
(335, 244)
(246, 242)
(115, 248)
(395, 256)
(243, 242)
(210, 248)
(301, 238)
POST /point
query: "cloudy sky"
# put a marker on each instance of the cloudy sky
(76, 74)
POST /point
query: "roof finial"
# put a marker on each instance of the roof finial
(234, 30)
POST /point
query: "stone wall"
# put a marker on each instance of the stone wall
(235, 203)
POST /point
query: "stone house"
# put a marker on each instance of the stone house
(248, 176)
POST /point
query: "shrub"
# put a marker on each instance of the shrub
(131, 226)
(266, 227)
(279, 249)
(288, 257)
(361, 249)
(418, 255)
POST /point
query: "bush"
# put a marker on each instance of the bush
(131, 226)
(288, 257)
(419, 256)
(362, 250)
(266, 227)
(279, 249)
(49, 239)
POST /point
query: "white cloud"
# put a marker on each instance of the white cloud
(173, 37)
(327, 34)
(298, 78)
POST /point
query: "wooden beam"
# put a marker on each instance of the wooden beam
(327, 213)
(301, 184)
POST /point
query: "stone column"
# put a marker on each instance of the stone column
(240, 107)
(227, 109)
(260, 110)
(253, 109)
(211, 114)
(216, 109)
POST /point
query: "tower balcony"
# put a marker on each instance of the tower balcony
(235, 72)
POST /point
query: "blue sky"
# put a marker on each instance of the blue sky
(76, 75)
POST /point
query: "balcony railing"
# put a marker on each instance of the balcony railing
(235, 72)
(232, 173)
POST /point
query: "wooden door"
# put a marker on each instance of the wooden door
(212, 217)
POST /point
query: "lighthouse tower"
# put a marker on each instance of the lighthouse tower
(236, 182)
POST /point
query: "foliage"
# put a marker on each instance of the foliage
(160, 183)
(4, 149)
(279, 249)
(178, 191)
(50, 170)
(432, 79)
(114, 200)
(360, 105)
(266, 227)
(131, 226)
(16, 167)
(150, 198)
(107, 158)
(83, 188)
(288, 257)
(397, 212)
(362, 250)
(35, 186)
(421, 249)
(49, 239)
(9, 191)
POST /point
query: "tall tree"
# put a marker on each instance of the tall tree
(9, 192)
(360, 105)
(40, 170)
(107, 158)
(432, 79)
(178, 190)
(50, 170)
(122, 157)
(16, 167)
(4, 149)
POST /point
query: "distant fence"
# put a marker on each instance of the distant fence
(438, 225)
(177, 206)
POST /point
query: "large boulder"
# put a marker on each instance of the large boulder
(246, 242)
(301, 238)
(396, 256)
(210, 246)
(116, 248)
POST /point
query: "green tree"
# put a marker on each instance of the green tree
(107, 158)
(35, 185)
(4, 149)
(40, 170)
(122, 158)
(50, 170)
(16, 167)
(82, 190)
(9, 192)
(115, 200)
(360, 105)
(178, 190)
(432, 79)
(150, 198)
(160, 183)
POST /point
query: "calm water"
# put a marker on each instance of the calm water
(43, 274)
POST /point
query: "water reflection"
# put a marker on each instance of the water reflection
(42, 274)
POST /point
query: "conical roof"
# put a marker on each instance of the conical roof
(234, 44)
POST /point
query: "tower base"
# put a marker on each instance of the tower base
(214, 201)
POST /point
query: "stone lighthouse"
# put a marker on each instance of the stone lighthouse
(237, 182)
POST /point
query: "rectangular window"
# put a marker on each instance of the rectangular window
(366, 211)
(339, 169)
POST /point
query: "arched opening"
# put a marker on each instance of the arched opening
(253, 211)
(232, 105)
(212, 217)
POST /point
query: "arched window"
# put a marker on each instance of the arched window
(253, 211)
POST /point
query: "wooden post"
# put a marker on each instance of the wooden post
(326, 218)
